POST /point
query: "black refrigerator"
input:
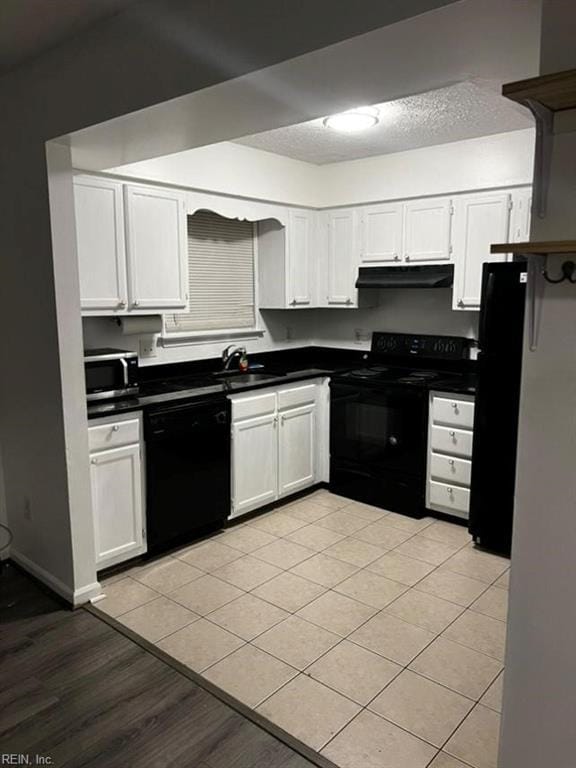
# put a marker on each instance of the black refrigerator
(500, 342)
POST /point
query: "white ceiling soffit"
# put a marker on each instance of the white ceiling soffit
(461, 111)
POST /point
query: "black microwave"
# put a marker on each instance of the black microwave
(110, 373)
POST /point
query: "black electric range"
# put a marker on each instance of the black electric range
(379, 417)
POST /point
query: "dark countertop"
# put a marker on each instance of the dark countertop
(169, 383)
(234, 387)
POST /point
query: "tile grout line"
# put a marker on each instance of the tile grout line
(359, 569)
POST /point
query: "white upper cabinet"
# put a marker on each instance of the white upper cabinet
(479, 220)
(382, 233)
(299, 239)
(132, 247)
(286, 264)
(156, 247)
(427, 230)
(100, 241)
(341, 250)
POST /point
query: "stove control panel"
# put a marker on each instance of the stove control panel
(431, 347)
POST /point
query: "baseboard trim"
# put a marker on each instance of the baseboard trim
(73, 597)
(40, 573)
(87, 593)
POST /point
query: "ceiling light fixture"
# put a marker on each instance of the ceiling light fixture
(354, 120)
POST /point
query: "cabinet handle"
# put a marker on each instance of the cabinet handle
(450, 490)
(460, 302)
(93, 461)
(115, 428)
(454, 405)
(122, 304)
(407, 258)
(452, 434)
(135, 303)
(348, 300)
(396, 257)
(451, 462)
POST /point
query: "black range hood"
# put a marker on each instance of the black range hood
(428, 276)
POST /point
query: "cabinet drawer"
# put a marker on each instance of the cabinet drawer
(250, 407)
(451, 470)
(450, 497)
(113, 434)
(456, 413)
(290, 398)
(456, 442)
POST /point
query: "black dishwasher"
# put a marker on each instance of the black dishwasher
(187, 471)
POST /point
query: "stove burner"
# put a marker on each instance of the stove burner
(367, 373)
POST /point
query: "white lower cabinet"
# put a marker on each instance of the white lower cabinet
(296, 449)
(279, 443)
(117, 489)
(450, 436)
(255, 463)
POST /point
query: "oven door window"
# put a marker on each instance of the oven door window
(379, 428)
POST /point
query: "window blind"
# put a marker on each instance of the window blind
(220, 275)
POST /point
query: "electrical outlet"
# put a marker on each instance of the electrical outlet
(148, 346)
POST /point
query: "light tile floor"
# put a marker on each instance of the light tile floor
(376, 639)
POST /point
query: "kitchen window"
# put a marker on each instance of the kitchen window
(221, 279)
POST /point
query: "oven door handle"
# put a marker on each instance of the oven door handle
(125, 371)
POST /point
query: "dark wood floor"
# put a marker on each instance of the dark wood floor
(76, 690)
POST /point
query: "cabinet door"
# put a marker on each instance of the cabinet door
(299, 253)
(382, 233)
(157, 248)
(99, 212)
(254, 463)
(521, 215)
(117, 504)
(342, 263)
(297, 449)
(427, 230)
(479, 221)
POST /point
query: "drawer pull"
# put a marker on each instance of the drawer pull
(451, 462)
(454, 405)
(452, 433)
(450, 490)
(115, 428)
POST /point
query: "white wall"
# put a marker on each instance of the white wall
(500, 160)
(539, 684)
(401, 311)
(3, 511)
(233, 169)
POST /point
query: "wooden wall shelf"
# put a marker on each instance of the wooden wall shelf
(556, 92)
(544, 248)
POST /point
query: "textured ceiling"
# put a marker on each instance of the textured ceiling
(461, 111)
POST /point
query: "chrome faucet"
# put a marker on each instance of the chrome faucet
(228, 356)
